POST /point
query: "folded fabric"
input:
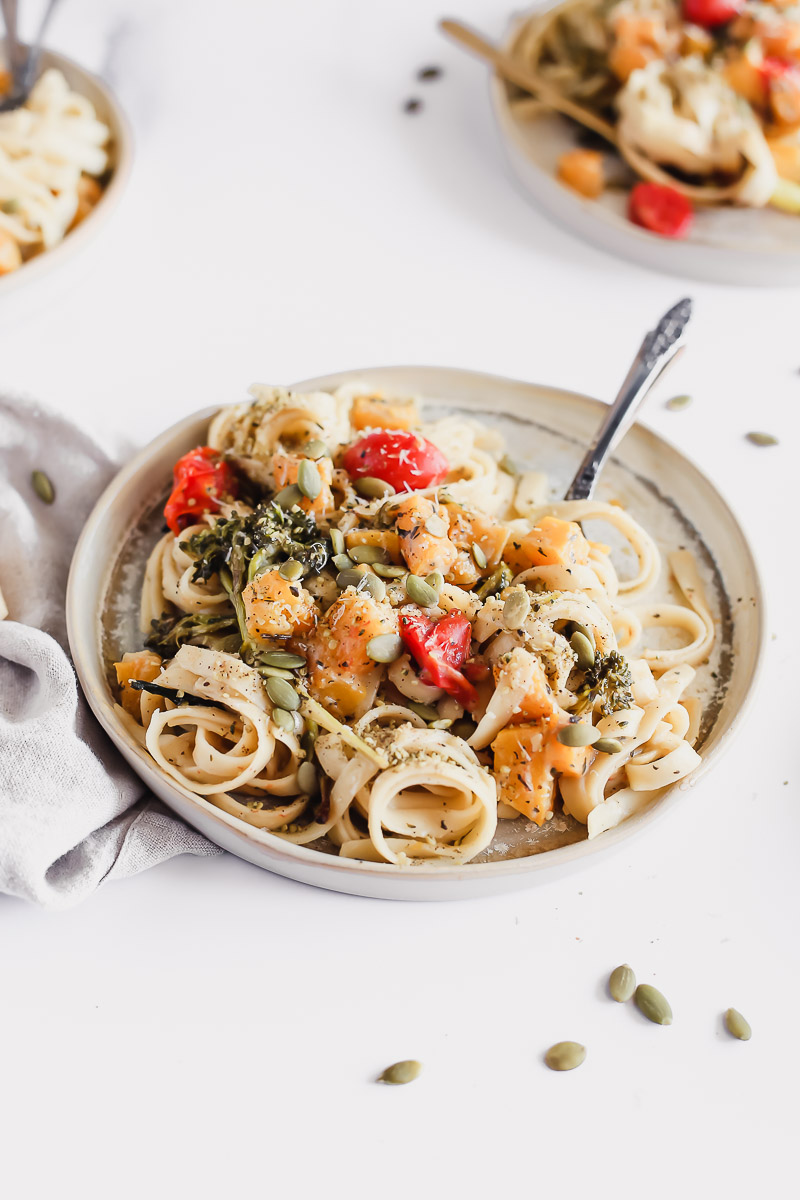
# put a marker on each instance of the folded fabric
(72, 813)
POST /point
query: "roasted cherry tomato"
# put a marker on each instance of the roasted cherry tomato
(200, 479)
(710, 13)
(439, 649)
(660, 209)
(404, 460)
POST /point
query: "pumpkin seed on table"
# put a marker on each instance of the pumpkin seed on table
(652, 1004)
(315, 449)
(583, 649)
(762, 439)
(373, 489)
(678, 402)
(421, 592)
(364, 553)
(436, 526)
(283, 658)
(283, 719)
(516, 609)
(282, 694)
(309, 479)
(307, 778)
(565, 1056)
(43, 487)
(479, 556)
(384, 648)
(401, 1072)
(737, 1026)
(291, 570)
(608, 746)
(289, 496)
(578, 735)
(622, 983)
(389, 570)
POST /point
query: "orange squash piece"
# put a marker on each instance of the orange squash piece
(422, 550)
(340, 672)
(551, 542)
(139, 664)
(286, 468)
(276, 607)
(468, 529)
(582, 170)
(373, 412)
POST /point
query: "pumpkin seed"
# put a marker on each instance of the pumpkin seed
(43, 487)
(608, 745)
(275, 673)
(565, 1056)
(310, 734)
(376, 587)
(289, 496)
(10, 206)
(737, 1026)
(389, 570)
(315, 449)
(421, 592)
(479, 556)
(516, 609)
(373, 489)
(349, 578)
(442, 723)
(762, 439)
(284, 719)
(401, 1072)
(337, 541)
(435, 580)
(342, 562)
(577, 735)
(307, 779)
(282, 658)
(652, 1004)
(622, 983)
(508, 465)
(364, 553)
(309, 479)
(282, 694)
(584, 650)
(291, 570)
(678, 402)
(426, 711)
(436, 526)
(384, 648)
(576, 627)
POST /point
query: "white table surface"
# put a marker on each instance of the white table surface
(207, 1029)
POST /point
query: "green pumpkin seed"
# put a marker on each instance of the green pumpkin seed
(309, 479)
(376, 587)
(436, 527)
(291, 570)
(385, 648)
(426, 711)
(584, 650)
(421, 592)
(565, 1056)
(373, 489)
(283, 658)
(289, 496)
(435, 580)
(516, 609)
(283, 719)
(307, 779)
(678, 402)
(442, 723)
(622, 983)
(342, 562)
(578, 735)
(508, 465)
(282, 694)
(275, 673)
(310, 735)
(737, 1026)
(315, 449)
(364, 553)
(762, 439)
(337, 541)
(652, 1004)
(401, 1072)
(479, 556)
(608, 746)
(43, 487)
(389, 570)
(10, 206)
(349, 578)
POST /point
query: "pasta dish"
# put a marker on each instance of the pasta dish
(374, 634)
(53, 160)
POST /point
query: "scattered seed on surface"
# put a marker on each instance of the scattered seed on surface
(516, 609)
(43, 487)
(401, 1072)
(389, 570)
(426, 711)
(373, 489)
(349, 577)
(436, 526)
(375, 586)
(479, 556)
(762, 439)
(435, 580)
(291, 570)
(275, 673)
(385, 648)
(737, 1026)
(343, 562)
(421, 592)
(678, 402)
(283, 658)
(315, 449)
(365, 553)
(284, 719)
(289, 496)
(652, 1004)
(307, 779)
(282, 694)
(584, 650)
(309, 479)
(578, 735)
(429, 74)
(622, 983)
(442, 723)
(565, 1056)
(608, 745)
(413, 105)
(337, 541)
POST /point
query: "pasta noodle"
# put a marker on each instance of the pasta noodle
(387, 665)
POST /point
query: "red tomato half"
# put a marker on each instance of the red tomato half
(440, 648)
(200, 478)
(404, 460)
(710, 13)
(660, 209)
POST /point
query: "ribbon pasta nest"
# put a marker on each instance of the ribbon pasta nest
(373, 634)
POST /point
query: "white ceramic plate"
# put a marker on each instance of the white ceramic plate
(121, 156)
(548, 429)
(725, 245)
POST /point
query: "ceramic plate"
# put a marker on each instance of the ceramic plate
(547, 429)
(121, 156)
(725, 245)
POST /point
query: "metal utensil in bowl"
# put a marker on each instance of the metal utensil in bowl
(23, 60)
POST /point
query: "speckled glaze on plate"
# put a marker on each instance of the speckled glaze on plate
(548, 429)
(725, 245)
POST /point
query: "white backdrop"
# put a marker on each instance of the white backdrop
(208, 1029)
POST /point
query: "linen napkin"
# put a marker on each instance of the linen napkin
(72, 813)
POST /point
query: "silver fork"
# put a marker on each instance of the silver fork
(22, 60)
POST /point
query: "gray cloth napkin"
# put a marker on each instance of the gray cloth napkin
(72, 813)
